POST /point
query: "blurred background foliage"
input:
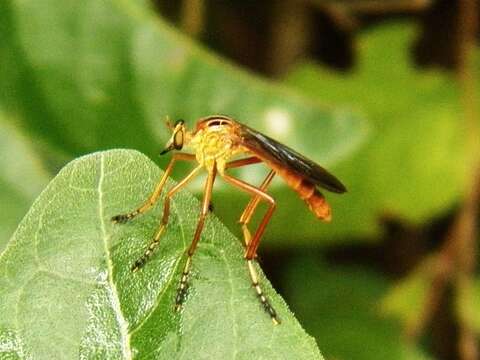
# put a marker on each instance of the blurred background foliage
(381, 92)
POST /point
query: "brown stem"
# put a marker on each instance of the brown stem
(456, 261)
(193, 17)
(441, 267)
(467, 250)
(289, 38)
(467, 261)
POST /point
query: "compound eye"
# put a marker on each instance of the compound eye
(178, 139)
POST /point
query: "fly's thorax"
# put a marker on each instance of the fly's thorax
(214, 145)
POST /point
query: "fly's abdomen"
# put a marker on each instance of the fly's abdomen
(319, 206)
(309, 193)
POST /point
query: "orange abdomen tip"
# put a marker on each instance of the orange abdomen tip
(309, 193)
(319, 206)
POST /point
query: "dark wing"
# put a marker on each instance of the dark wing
(283, 156)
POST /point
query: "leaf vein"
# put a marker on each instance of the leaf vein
(122, 322)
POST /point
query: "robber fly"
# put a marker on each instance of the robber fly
(215, 141)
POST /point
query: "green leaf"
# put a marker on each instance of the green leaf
(468, 304)
(92, 75)
(407, 298)
(417, 160)
(66, 289)
(22, 177)
(339, 306)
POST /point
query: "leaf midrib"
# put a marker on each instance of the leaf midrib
(122, 322)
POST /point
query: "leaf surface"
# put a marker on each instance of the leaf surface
(339, 305)
(66, 289)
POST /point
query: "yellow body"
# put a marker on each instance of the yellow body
(214, 145)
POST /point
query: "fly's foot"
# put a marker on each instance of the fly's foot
(269, 308)
(261, 296)
(181, 292)
(183, 287)
(123, 218)
(138, 264)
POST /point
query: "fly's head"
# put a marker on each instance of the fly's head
(180, 137)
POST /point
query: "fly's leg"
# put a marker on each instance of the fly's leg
(123, 218)
(254, 242)
(182, 288)
(251, 206)
(166, 213)
(242, 162)
(254, 201)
